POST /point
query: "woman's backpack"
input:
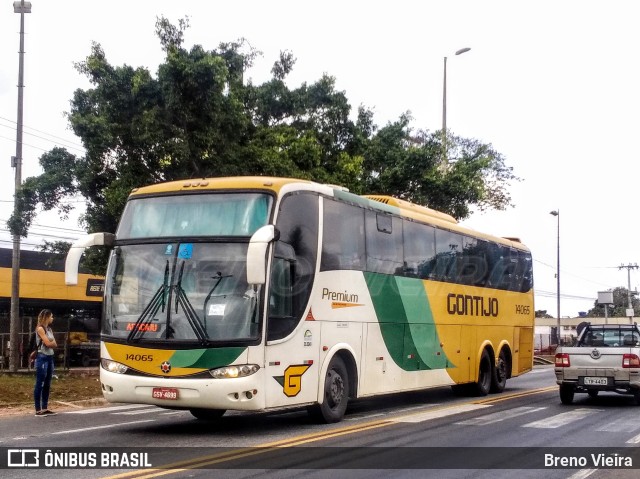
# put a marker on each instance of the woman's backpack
(34, 345)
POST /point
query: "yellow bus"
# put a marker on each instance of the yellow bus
(77, 308)
(257, 293)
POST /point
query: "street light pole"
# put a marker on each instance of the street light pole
(444, 105)
(20, 7)
(630, 312)
(556, 213)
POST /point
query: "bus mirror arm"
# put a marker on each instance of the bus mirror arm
(75, 253)
(257, 254)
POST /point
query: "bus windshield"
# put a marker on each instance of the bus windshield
(204, 214)
(180, 292)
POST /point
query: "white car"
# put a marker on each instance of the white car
(605, 358)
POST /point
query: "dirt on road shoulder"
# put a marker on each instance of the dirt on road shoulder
(69, 390)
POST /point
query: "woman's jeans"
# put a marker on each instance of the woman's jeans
(44, 373)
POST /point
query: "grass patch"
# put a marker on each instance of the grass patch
(17, 389)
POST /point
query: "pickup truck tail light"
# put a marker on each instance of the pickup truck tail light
(629, 361)
(562, 360)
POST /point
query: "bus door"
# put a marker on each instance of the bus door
(292, 351)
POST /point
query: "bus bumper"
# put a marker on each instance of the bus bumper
(241, 394)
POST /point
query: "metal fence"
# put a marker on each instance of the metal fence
(71, 350)
(546, 344)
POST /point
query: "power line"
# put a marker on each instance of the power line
(553, 294)
(77, 146)
(53, 227)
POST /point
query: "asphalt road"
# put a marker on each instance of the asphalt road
(402, 435)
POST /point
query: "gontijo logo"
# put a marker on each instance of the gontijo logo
(340, 299)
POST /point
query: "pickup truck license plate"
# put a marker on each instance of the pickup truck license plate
(165, 393)
(595, 381)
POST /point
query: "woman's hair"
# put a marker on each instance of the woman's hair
(44, 315)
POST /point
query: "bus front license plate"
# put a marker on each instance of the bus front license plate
(165, 393)
(595, 381)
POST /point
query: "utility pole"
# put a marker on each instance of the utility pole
(556, 213)
(444, 107)
(20, 7)
(629, 267)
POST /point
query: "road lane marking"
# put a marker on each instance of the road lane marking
(364, 416)
(562, 419)
(106, 426)
(139, 411)
(634, 440)
(624, 424)
(109, 409)
(438, 413)
(582, 474)
(500, 416)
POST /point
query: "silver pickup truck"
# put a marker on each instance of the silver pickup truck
(605, 358)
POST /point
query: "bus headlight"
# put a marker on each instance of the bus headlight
(234, 371)
(113, 367)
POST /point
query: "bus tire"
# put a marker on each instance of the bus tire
(499, 373)
(85, 360)
(485, 373)
(336, 394)
(566, 393)
(207, 414)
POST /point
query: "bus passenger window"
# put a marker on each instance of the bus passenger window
(343, 244)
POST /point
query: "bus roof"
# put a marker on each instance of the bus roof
(385, 203)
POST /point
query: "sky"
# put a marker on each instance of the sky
(552, 85)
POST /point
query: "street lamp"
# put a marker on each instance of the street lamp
(556, 213)
(20, 7)
(444, 105)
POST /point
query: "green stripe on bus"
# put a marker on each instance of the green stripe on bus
(205, 358)
(406, 322)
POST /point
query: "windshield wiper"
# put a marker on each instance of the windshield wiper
(189, 311)
(219, 277)
(147, 315)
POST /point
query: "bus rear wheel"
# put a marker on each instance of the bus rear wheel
(336, 394)
(485, 374)
(207, 414)
(499, 375)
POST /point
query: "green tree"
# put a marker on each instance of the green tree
(409, 166)
(619, 307)
(200, 117)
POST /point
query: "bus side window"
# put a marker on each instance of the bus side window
(343, 244)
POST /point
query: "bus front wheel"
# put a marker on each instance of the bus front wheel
(336, 394)
(207, 414)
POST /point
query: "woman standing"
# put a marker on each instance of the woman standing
(44, 362)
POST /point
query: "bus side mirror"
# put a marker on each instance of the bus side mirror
(257, 254)
(75, 253)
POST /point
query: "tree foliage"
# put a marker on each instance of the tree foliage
(619, 307)
(199, 117)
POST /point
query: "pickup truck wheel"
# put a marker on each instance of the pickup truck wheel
(499, 374)
(593, 393)
(636, 396)
(566, 394)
